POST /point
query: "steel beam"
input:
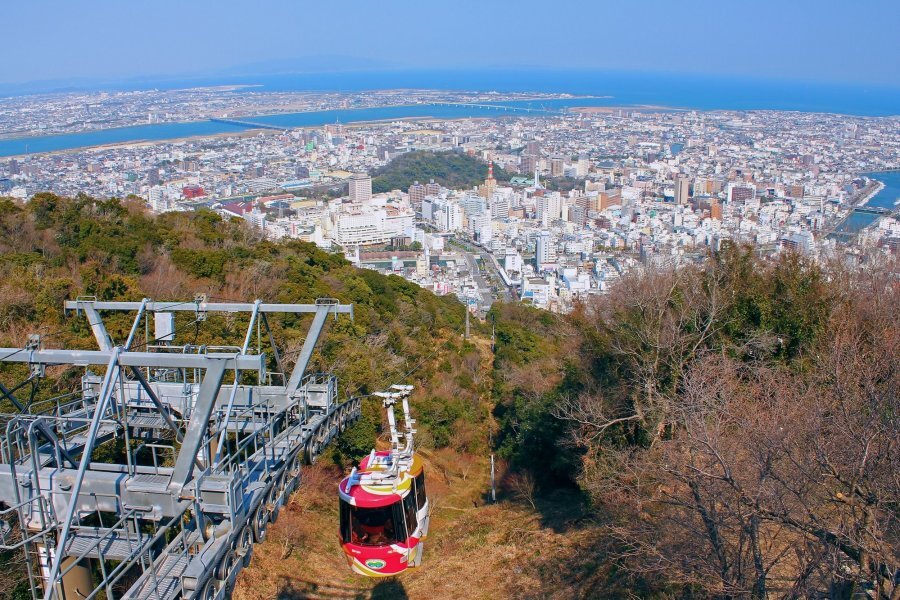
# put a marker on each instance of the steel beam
(198, 426)
(228, 307)
(109, 491)
(309, 344)
(163, 410)
(250, 362)
(274, 346)
(97, 326)
(106, 391)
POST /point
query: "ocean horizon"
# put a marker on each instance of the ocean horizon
(703, 92)
(688, 92)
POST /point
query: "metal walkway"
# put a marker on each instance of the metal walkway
(155, 477)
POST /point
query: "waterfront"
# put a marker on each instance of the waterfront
(885, 198)
(589, 89)
(168, 131)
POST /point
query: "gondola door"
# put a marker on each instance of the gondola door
(411, 522)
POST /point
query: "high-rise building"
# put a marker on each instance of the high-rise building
(473, 204)
(527, 163)
(480, 228)
(544, 250)
(682, 190)
(450, 217)
(557, 166)
(428, 208)
(533, 147)
(715, 209)
(432, 188)
(360, 188)
(416, 195)
(500, 206)
(609, 198)
(583, 166)
(586, 202)
(578, 215)
(548, 207)
(740, 192)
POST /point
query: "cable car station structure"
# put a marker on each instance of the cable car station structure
(154, 479)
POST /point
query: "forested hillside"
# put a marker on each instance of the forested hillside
(735, 427)
(56, 248)
(449, 169)
(723, 431)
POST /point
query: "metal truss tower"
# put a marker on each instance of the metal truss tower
(154, 479)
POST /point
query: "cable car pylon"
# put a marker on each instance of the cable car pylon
(207, 446)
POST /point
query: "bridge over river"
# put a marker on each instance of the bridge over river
(250, 124)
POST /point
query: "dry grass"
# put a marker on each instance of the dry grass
(474, 550)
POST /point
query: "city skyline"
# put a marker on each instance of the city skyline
(111, 42)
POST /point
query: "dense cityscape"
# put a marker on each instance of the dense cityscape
(591, 193)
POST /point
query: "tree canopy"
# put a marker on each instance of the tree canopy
(449, 169)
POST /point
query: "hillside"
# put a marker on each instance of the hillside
(451, 170)
(734, 426)
(722, 431)
(56, 248)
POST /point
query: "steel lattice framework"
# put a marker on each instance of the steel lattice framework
(155, 479)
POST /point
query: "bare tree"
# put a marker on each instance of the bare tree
(758, 477)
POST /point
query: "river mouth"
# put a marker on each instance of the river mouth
(887, 198)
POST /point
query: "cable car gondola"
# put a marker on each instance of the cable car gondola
(384, 509)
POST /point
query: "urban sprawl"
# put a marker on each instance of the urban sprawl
(594, 192)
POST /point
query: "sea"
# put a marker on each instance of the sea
(602, 89)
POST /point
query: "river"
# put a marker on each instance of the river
(886, 198)
(168, 131)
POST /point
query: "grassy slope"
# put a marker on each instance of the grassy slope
(474, 550)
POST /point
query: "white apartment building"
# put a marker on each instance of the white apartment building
(512, 261)
(361, 228)
(480, 228)
(548, 208)
(364, 226)
(500, 204)
(545, 250)
(448, 216)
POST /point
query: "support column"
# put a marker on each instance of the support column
(76, 584)
(79, 582)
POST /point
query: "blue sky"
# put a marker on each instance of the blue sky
(825, 40)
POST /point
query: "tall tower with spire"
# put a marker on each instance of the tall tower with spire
(490, 184)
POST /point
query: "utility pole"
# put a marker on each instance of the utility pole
(493, 485)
